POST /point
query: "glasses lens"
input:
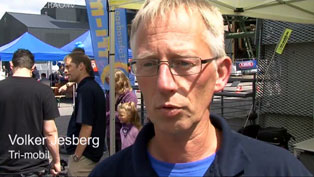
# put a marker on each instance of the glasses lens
(185, 66)
(145, 67)
(178, 66)
(133, 67)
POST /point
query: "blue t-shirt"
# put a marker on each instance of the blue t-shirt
(197, 168)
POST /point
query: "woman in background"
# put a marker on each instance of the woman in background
(123, 93)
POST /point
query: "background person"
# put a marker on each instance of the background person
(54, 78)
(35, 73)
(180, 62)
(88, 119)
(123, 94)
(61, 75)
(5, 70)
(131, 123)
(27, 109)
(79, 50)
(2, 73)
(67, 85)
(44, 80)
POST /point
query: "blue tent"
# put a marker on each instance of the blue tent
(83, 41)
(41, 50)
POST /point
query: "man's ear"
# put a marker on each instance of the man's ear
(81, 66)
(223, 73)
(11, 64)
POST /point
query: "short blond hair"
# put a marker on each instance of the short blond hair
(130, 108)
(212, 18)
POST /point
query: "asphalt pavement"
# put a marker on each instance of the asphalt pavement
(65, 109)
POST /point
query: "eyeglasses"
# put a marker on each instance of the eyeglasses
(178, 66)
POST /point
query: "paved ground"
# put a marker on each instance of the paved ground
(65, 109)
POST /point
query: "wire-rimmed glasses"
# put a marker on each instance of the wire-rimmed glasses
(178, 66)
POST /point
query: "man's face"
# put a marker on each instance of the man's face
(176, 103)
(71, 70)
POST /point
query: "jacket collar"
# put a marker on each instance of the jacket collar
(230, 159)
(141, 162)
(84, 81)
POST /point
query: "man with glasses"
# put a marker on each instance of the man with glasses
(180, 62)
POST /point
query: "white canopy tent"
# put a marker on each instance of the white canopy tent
(295, 11)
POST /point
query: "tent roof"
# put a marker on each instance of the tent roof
(127, 4)
(295, 11)
(42, 51)
(85, 40)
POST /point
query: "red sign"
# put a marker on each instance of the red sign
(246, 65)
(94, 66)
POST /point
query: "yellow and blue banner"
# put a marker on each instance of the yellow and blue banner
(99, 29)
(121, 36)
(98, 16)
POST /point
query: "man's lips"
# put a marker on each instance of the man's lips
(168, 106)
(169, 110)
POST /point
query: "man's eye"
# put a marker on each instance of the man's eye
(148, 63)
(184, 63)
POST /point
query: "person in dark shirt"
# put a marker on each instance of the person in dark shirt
(35, 73)
(27, 112)
(88, 121)
(180, 62)
(44, 80)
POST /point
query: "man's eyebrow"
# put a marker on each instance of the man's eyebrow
(145, 55)
(178, 55)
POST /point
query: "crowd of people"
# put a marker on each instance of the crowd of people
(180, 62)
(55, 78)
(85, 141)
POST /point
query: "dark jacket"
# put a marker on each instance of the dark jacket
(239, 155)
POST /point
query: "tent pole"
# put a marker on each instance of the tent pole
(50, 71)
(112, 80)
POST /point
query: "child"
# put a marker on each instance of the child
(130, 120)
(123, 94)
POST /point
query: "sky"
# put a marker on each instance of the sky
(32, 6)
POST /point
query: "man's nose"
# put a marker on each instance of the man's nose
(165, 80)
